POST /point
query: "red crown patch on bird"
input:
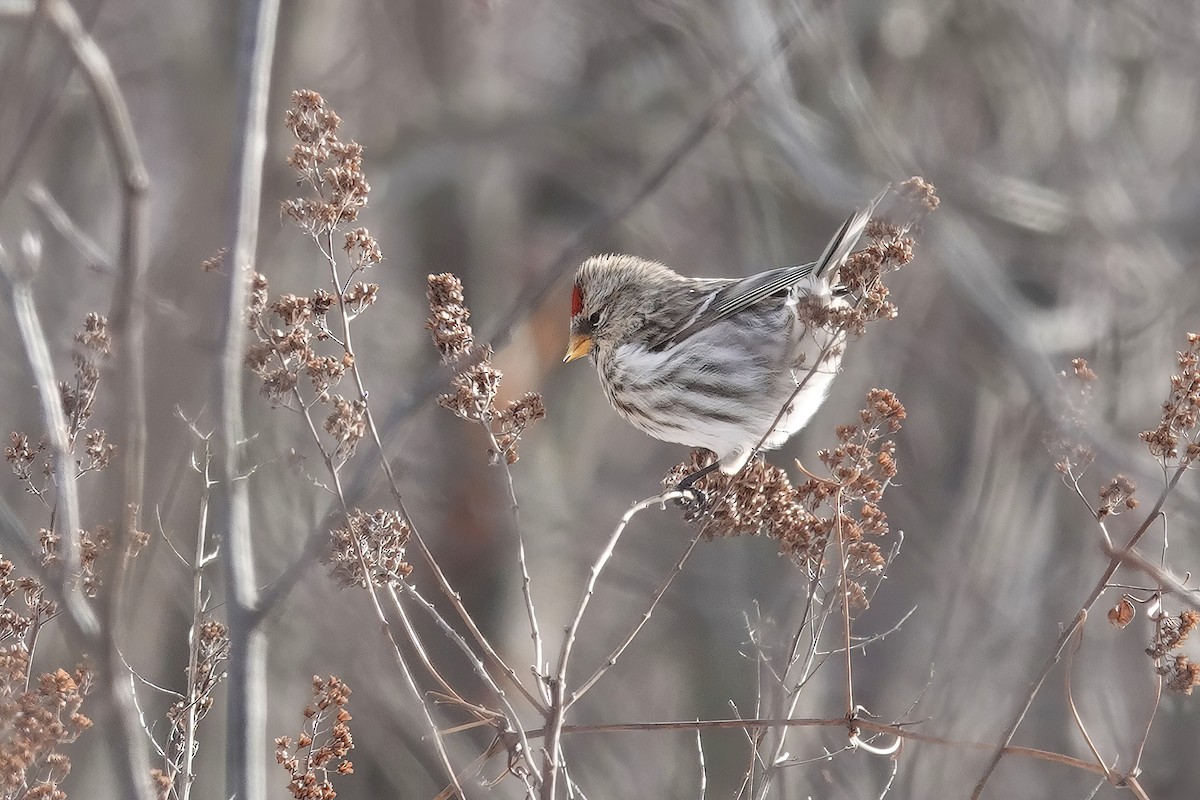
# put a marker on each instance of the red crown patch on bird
(576, 300)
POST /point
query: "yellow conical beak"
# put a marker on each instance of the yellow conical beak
(578, 346)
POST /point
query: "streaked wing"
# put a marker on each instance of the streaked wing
(744, 293)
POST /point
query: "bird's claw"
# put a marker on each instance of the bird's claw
(693, 499)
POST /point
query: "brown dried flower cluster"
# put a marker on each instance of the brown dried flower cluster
(1182, 673)
(35, 721)
(1181, 411)
(347, 424)
(448, 315)
(291, 327)
(93, 545)
(215, 262)
(287, 349)
(1172, 633)
(920, 190)
(320, 749)
(374, 541)
(1116, 497)
(18, 625)
(23, 455)
(285, 353)
(1072, 455)
(860, 277)
(476, 385)
(332, 168)
(474, 399)
(806, 519)
(212, 651)
(78, 395)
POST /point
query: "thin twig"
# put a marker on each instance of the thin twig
(457, 639)
(127, 322)
(557, 712)
(41, 199)
(192, 719)
(1075, 708)
(526, 584)
(844, 567)
(1002, 746)
(829, 722)
(19, 294)
(654, 599)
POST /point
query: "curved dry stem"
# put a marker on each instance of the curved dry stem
(654, 599)
(558, 706)
(127, 324)
(1002, 746)
(514, 720)
(526, 585)
(37, 356)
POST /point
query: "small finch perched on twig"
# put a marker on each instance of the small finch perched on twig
(728, 364)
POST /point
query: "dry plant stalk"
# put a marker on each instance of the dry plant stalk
(304, 352)
(1173, 445)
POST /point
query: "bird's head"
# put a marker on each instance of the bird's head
(608, 301)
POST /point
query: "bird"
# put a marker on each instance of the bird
(726, 364)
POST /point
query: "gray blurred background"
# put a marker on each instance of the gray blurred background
(1062, 137)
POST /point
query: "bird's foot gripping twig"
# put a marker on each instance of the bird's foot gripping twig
(695, 498)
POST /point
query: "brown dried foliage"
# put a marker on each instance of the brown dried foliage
(1116, 497)
(476, 385)
(295, 340)
(805, 519)
(448, 315)
(371, 542)
(321, 749)
(1181, 673)
(93, 546)
(1180, 411)
(1068, 446)
(332, 168)
(890, 247)
(36, 718)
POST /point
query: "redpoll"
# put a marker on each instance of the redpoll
(712, 362)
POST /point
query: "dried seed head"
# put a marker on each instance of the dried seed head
(448, 315)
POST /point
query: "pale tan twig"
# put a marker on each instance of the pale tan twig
(41, 199)
(191, 721)
(127, 326)
(19, 294)
(1074, 708)
(556, 714)
(1001, 747)
(654, 599)
(526, 585)
(513, 718)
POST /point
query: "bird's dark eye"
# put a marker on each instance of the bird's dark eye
(594, 319)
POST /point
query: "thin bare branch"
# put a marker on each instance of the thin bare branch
(1035, 686)
(19, 294)
(654, 599)
(558, 684)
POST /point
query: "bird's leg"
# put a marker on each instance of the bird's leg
(685, 485)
